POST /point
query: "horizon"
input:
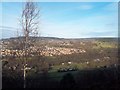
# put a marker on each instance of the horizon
(65, 19)
(63, 38)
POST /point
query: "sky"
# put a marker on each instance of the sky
(64, 19)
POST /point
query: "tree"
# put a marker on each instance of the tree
(30, 19)
(29, 22)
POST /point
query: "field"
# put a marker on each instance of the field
(66, 63)
(91, 79)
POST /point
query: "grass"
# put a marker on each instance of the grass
(82, 77)
(81, 66)
(100, 44)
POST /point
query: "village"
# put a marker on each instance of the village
(45, 50)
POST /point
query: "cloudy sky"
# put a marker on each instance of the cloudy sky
(65, 19)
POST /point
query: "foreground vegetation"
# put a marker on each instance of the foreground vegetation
(99, 79)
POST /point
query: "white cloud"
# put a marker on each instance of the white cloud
(92, 26)
(97, 24)
(85, 7)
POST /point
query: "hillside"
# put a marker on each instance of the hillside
(56, 57)
(57, 50)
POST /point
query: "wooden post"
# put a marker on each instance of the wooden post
(24, 77)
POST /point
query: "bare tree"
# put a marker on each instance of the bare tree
(29, 22)
(30, 19)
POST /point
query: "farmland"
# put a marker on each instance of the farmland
(90, 61)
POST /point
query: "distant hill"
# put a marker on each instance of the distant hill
(55, 38)
(37, 38)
